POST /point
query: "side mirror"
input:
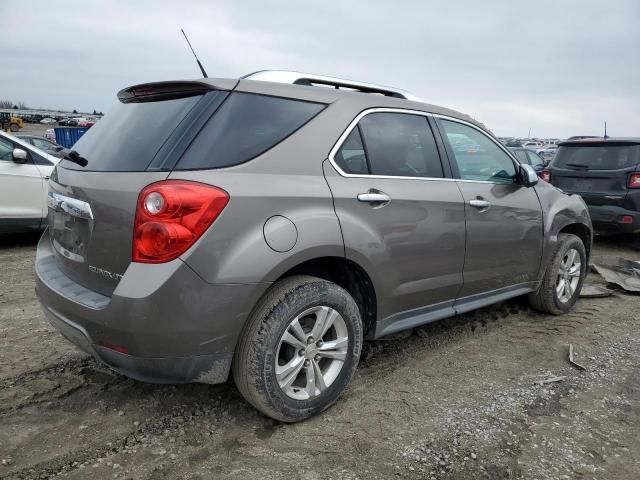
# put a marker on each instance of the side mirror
(19, 155)
(528, 175)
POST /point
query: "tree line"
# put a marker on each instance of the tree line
(8, 104)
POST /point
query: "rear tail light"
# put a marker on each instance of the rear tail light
(634, 180)
(625, 219)
(546, 175)
(171, 216)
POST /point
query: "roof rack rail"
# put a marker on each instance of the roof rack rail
(299, 78)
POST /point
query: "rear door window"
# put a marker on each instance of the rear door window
(477, 156)
(351, 157)
(391, 144)
(245, 126)
(597, 157)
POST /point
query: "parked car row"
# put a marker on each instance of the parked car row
(78, 122)
(51, 117)
(545, 149)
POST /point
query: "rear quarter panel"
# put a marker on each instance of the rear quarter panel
(287, 181)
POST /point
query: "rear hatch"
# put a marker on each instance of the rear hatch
(597, 170)
(92, 207)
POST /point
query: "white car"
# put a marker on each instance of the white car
(48, 120)
(547, 151)
(532, 145)
(24, 180)
(50, 134)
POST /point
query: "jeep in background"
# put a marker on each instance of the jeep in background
(605, 172)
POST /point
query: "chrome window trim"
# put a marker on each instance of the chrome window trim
(364, 113)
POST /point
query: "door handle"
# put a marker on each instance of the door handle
(479, 204)
(373, 196)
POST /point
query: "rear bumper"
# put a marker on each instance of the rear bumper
(163, 323)
(200, 368)
(607, 218)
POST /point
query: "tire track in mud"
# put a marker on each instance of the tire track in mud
(75, 362)
(185, 409)
(77, 378)
(583, 317)
(47, 384)
(72, 460)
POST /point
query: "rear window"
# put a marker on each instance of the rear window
(130, 135)
(597, 157)
(245, 126)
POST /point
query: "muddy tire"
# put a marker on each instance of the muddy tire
(299, 348)
(14, 127)
(563, 278)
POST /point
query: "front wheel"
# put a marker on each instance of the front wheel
(563, 278)
(299, 350)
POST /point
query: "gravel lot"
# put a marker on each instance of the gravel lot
(454, 399)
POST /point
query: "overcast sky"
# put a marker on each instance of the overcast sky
(559, 68)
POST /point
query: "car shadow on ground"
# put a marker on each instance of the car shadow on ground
(26, 239)
(620, 242)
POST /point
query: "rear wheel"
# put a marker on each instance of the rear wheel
(564, 277)
(299, 350)
(14, 127)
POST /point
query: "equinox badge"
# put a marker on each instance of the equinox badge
(105, 273)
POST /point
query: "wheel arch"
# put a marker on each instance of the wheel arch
(581, 231)
(348, 275)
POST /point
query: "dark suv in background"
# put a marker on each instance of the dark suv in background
(267, 226)
(605, 172)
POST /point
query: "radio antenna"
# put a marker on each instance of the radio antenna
(204, 74)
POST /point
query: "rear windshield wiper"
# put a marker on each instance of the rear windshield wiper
(577, 165)
(75, 157)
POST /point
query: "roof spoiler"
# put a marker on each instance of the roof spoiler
(158, 91)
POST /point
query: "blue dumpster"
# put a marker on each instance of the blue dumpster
(67, 136)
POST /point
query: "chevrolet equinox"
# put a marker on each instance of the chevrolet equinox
(265, 227)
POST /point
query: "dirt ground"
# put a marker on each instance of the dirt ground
(454, 400)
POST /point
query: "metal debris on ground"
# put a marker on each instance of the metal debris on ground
(549, 380)
(576, 364)
(595, 290)
(620, 271)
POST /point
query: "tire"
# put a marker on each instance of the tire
(14, 127)
(262, 349)
(547, 299)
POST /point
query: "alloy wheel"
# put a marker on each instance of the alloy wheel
(568, 275)
(311, 352)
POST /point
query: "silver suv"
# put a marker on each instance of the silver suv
(267, 226)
